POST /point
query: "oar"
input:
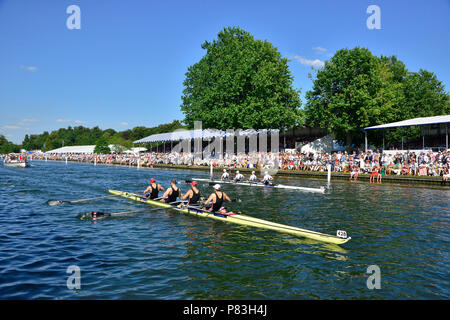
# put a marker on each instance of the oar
(59, 202)
(207, 211)
(190, 181)
(100, 215)
(214, 183)
(211, 183)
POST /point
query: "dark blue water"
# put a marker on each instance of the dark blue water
(167, 255)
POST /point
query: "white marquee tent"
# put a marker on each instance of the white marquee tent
(200, 134)
(436, 120)
(413, 122)
(88, 150)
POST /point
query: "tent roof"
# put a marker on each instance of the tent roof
(74, 149)
(89, 149)
(413, 122)
(197, 134)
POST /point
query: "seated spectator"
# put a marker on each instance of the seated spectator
(445, 175)
(354, 173)
(374, 175)
(422, 169)
(405, 169)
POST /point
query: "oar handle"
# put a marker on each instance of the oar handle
(210, 212)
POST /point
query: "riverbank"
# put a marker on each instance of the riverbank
(401, 180)
(335, 176)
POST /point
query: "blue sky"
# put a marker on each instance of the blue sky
(126, 65)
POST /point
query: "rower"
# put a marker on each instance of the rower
(238, 177)
(193, 195)
(154, 189)
(172, 193)
(253, 177)
(217, 199)
(267, 180)
(225, 175)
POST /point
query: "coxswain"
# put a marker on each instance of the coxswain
(217, 199)
(253, 177)
(238, 177)
(193, 195)
(172, 193)
(154, 188)
(267, 180)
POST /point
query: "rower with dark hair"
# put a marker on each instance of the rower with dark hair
(217, 199)
(193, 195)
(172, 193)
(154, 189)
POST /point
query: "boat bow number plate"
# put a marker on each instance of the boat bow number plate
(341, 234)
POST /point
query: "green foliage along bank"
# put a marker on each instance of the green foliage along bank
(7, 146)
(93, 136)
(356, 89)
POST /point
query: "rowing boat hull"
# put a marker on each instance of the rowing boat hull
(240, 219)
(277, 186)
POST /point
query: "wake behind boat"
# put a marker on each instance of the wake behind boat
(259, 184)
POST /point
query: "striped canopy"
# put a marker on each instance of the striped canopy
(200, 134)
(413, 122)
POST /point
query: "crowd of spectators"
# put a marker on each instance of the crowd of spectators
(373, 162)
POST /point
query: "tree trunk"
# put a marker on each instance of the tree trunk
(348, 141)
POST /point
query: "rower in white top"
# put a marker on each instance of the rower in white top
(225, 175)
(253, 177)
(238, 177)
(267, 180)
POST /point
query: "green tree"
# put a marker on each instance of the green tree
(47, 145)
(7, 146)
(26, 142)
(89, 136)
(102, 146)
(120, 144)
(240, 83)
(355, 89)
(424, 96)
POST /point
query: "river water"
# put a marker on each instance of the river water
(166, 255)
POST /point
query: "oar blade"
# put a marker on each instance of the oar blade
(54, 203)
(93, 215)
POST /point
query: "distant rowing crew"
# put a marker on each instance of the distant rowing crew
(191, 197)
(267, 179)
